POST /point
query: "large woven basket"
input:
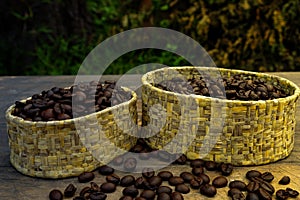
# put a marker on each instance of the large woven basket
(59, 149)
(233, 131)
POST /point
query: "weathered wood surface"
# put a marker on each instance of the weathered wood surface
(14, 185)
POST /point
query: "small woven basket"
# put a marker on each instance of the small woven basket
(65, 148)
(232, 131)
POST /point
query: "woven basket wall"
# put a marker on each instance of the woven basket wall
(233, 131)
(55, 149)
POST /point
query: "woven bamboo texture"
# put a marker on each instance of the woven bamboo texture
(233, 131)
(59, 149)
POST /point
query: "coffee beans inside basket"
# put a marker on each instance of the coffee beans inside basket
(56, 103)
(235, 87)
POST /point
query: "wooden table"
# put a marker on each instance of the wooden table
(14, 185)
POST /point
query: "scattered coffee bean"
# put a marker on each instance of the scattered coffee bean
(155, 181)
(55, 195)
(252, 196)
(196, 183)
(252, 174)
(226, 169)
(264, 195)
(163, 196)
(85, 191)
(197, 171)
(282, 194)
(267, 176)
(70, 190)
(252, 186)
(108, 187)
(164, 189)
(130, 164)
(148, 173)
(85, 177)
(130, 191)
(284, 180)
(197, 163)
(113, 178)
(95, 187)
(265, 185)
(127, 180)
(182, 188)
(140, 198)
(176, 180)
(148, 194)
(181, 160)
(126, 198)
(292, 193)
(139, 183)
(208, 190)
(176, 196)
(187, 176)
(220, 182)
(106, 170)
(211, 165)
(98, 196)
(165, 175)
(234, 192)
(205, 178)
(238, 184)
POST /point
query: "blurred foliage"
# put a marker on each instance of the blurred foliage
(53, 37)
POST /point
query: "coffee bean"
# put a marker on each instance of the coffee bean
(130, 191)
(98, 196)
(148, 186)
(197, 163)
(139, 183)
(253, 173)
(155, 181)
(195, 184)
(148, 173)
(187, 176)
(106, 170)
(148, 194)
(108, 187)
(284, 180)
(165, 175)
(127, 180)
(292, 193)
(208, 190)
(264, 195)
(204, 178)
(252, 186)
(211, 165)
(238, 184)
(267, 176)
(126, 198)
(234, 192)
(182, 188)
(226, 169)
(163, 196)
(85, 191)
(95, 187)
(86, 177)
(55, 195)
(164, 189)
(130, 164)
(140, 198)
(282, 194)
(220, 182)
(113, 178)
(176, 196)
(70, 190)
(181, 160)
(197, 171)
(252, 196)
(176, 180)
(265, 185)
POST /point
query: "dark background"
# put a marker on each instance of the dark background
(53, 37)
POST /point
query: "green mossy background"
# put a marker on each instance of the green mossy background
(53, 37)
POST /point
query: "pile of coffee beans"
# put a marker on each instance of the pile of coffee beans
(56, 103)
(236, 87)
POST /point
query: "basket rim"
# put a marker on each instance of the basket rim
(10, 117)
(296, 94)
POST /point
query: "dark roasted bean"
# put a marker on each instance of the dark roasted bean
(252, 196)
(55, 195)
(176, 180)
(208, 190)
(108, 187)
(98, 196)
(177, 196)
(130, 191)
(282, 194)
(113, 178)
(226, 169)
(264, 195)
(148, 172)
(155, 181)
(211, 165)
(164, 189)
(204, 178)
(127, 180)
(197, 171)
(234, 191)
(196, 183)
(163, 196)
(284, 180)
(165, 175)
(220, 182)
(84, 191)
(187, 176)
(197, 163)
(252, 174)
(238, 184)
(148, 194)
(182, 188)
(106, 170)
(126, 198)
(267, 176)
(181, 160)
(95, 187)
(70, 190)
(86, 177)
(292, 193)
(253, 186)
(139, 183)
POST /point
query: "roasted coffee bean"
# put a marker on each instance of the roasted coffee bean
(284, 180)
(265, 185)
(155, 181)
(226, 169)
(78, 198)
(70, 190)
(84, 191)
(113, 178)
(55, 195)
(148, 173)
(238, 184)
(127, 180)
(197, 163)
(252, 174)
(139, 183)
(106, 170)
(95, 187)
(195, 184)
(208, 190)
(187, 176)
(130, 164)
(234, 192)
(164, 156)
(98, 196)
(148, 186)
(181, 160)
(108, 187)
(148, 194)
(282, 194)
(164, 189)
(292, 193)
(130, 191)
(140, 198)
(176, 196)
(252, 196)
(252, 186)
(126, 198)
(267, 176)
(220, 182)
(86, 177)
(176, 180)
(163, 196)
(264, 195)
(204, 178)
(182, 188)
(210, 165)
(165, 175)
(197, 171)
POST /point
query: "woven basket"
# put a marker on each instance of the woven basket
(233, 131)
(55, 149)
